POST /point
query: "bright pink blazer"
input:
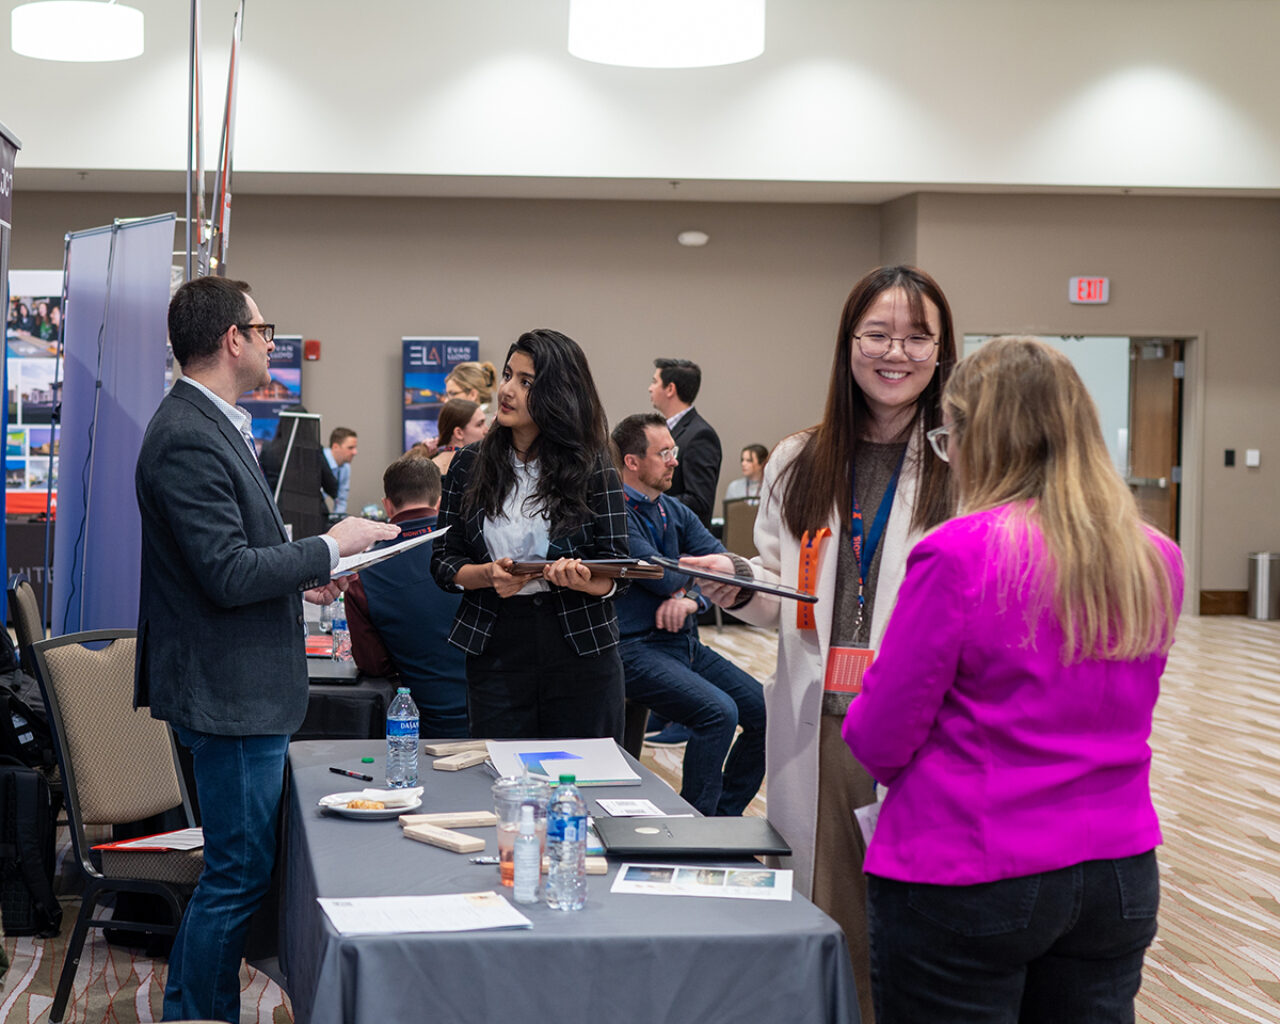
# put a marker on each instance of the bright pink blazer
(1000, 761)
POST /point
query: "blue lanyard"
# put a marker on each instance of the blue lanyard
(866, 553)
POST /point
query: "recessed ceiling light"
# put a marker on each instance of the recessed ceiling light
(666, 33)
(693, 239)
(76, 30)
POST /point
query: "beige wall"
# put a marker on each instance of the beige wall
(758, 306)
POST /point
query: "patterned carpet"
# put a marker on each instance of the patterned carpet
(1216, 779)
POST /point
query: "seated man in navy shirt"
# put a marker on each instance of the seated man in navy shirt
(399, 619)
(667, 667)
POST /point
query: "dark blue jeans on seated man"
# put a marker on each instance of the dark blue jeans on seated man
(676, 676)
(1062, 947)
(239, 780)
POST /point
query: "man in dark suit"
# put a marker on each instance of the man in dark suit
(220, 625)
(672, 391)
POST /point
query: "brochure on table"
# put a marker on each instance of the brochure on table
(451, 912)
(747, 883)
(594, 762)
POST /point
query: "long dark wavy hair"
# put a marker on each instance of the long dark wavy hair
(821, 475)
(572, 441)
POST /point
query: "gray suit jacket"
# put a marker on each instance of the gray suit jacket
(220, 626)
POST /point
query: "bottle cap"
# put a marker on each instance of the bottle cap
(568, 780)
(527, 826)
(402, 689)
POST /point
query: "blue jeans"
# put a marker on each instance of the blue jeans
(676, 676)
(238, 781)
(1062, 947)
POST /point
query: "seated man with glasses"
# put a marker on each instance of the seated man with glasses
(667, 667)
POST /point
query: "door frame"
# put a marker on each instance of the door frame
(1191, 496)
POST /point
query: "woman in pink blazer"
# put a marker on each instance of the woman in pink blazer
(1012, 873)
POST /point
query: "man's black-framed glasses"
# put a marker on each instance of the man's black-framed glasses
(268, 331)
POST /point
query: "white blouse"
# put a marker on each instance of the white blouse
(518, 533)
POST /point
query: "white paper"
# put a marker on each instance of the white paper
(745, 883)
(595, 762)
(354, 563)
(183, 839)
(453, 912)
(631, 809)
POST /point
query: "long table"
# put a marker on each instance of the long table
(622, 959)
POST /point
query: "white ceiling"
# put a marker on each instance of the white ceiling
(853, 101)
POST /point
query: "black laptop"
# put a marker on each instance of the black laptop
(689, 837)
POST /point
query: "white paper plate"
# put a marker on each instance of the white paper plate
(336, 803)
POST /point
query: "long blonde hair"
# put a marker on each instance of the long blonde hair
(477, 377)
(1025, 432)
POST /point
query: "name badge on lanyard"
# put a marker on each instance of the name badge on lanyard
(845, 667)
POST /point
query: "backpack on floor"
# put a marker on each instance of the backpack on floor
(27, 851)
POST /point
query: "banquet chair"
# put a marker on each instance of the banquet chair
(738, 535)
(118, 766)
(28, 624)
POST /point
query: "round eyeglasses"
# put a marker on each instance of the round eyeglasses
(938, 441)
(876, 344)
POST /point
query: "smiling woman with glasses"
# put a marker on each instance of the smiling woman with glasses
(840, 506)
(1008, 711)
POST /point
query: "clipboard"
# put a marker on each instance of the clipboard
(777, 589)
(607, 568)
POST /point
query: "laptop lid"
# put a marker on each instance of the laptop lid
(689, 837)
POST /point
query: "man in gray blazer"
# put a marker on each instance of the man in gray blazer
(220, 624)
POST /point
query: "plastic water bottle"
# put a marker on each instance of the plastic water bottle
(402, 740)
(567, 847)
(527, 861)
(341, 634)
(326, 616)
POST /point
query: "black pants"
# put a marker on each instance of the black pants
(530, 683)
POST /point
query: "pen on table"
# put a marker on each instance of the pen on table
(352, 775)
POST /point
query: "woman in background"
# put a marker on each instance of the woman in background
(1012, 871)
(542, 647)
(754, 456)
(474, 382)
(461, 423)
(840, 506)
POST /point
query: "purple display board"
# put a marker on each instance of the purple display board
(427, 361)
(264, 403)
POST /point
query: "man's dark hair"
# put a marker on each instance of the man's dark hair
(684, 374)
(411, 480)
(340, 434)
(631, 437)
(200, 313)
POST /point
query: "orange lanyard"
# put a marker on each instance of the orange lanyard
(807, 581)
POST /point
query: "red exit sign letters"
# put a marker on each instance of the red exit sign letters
(1089, 290)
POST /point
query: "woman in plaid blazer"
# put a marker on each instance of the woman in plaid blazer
(542, 647)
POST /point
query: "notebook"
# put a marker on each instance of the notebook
(689, 837)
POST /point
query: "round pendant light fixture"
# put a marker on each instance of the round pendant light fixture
(666, 33)
(76, 30)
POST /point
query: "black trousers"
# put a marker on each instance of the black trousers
(531, 684)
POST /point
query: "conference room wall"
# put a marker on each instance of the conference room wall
(757, 307)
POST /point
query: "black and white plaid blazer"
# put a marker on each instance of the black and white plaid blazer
(590, 623)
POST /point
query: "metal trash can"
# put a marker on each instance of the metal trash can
(1264, 585)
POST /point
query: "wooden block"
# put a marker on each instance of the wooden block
(462, 759)
(444, 747)
(595, 866)
(445, 838)
(451, 819)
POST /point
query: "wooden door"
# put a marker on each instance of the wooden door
(1155, 429)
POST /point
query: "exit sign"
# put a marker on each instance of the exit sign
(1089, 290)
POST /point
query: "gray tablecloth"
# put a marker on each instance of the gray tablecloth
(641, 959)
